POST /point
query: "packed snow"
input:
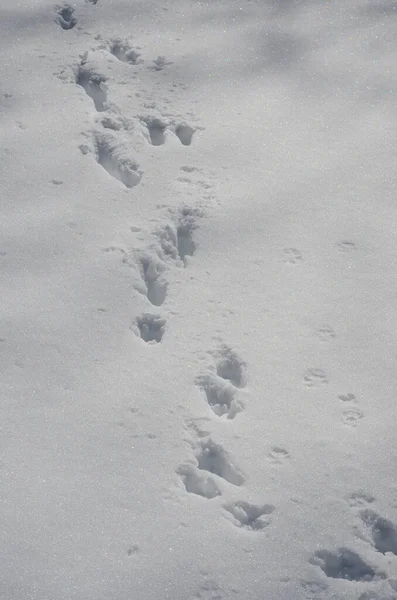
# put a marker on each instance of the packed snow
(198, 328)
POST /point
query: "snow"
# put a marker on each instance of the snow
(198, 325)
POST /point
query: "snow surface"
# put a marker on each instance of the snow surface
(198, 316)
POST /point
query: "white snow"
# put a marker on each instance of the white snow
(198, 326)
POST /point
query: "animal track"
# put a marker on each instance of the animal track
(352, 417)
(347, 398)
(124, 52)
(383, 531)
(212, 458)
(278, 454)
(93, 85)
(160, 62)
(65, 17)
(346, 246)
(199, 483)
(250, 516)
(292, 256)
(314, 377)
(345, 564)
(151, 328)
(152, 275)
(110, 155)
(358, 499)
(326, 333)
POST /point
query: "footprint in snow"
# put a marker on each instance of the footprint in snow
(211, 465)
(152, 273)
(176, 239)
(292, 256)
(65, 17)
(314, 378)
(159, 63)
(221, 388)
(150, 328)
(382, 531)
(114, 158)
(345, 564)
(157, 127)
(124, 51)
(278, 455)
(252, 517)
(93, 83)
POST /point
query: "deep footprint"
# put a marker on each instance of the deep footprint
(156, 129)
(220, 395)
(111, 158)
(65, 17)
(383, 531)
(150, 327)
(250, 516)
(124, 52)
(177, 241)
(156, 285)
(230, 367)
(345, 564)
(93, 85)
(185, 134)
(199, 483)
(212, 458)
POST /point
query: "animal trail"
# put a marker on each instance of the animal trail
(252, 517)
(65, 17)
(124, 52)
(152, 275)
(383, 532)
(112, 157)
(212, 457)
(149, 327)
(345, 564)
(93, 84)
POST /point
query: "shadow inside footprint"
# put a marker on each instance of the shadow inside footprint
(220, 395)
(123, 52)
(250, 516)
(155, 283)
(65, 17)
(93, 85)
(383, 531)
(117, 166)
(199, 483)
(184, 134)
(151, 327)
(231, 367)
(212, 458)
(345, 564)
